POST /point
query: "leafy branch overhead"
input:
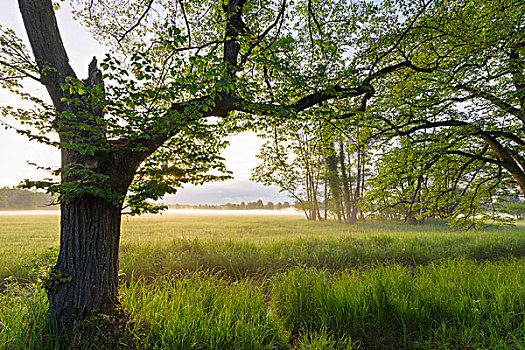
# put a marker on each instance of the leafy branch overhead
(447, 130)
(462, 123)
(173, 73)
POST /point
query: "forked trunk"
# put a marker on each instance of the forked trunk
(85, 278)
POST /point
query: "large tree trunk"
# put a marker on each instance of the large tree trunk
(89, 247)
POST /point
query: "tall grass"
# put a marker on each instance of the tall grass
(23, 317)
(202, 311)
(454, 304)
(240, 259)
(272, 284)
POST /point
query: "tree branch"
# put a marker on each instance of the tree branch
(244, 57)
(22, 72)
(48, 48)
(148, 7)
(506, 107)
(474, 156)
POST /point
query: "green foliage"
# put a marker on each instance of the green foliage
(400, 68)
(292, 160)
(512, 205)
(246, 245)
(453, 134)
(323, 164)
(16, 60)
(455, 304)
(445, 80)
(203, 311)
(423, 182)
(23, 317)
(40, 266)
(52, 277)
(177, 82)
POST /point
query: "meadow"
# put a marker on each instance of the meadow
(209, 281)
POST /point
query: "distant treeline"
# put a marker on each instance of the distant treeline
(232, 206)
(17, 199)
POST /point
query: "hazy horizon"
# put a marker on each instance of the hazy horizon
(220, 193)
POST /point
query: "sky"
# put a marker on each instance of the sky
(16, 151)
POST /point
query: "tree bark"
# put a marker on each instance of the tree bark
(42, 30)
(313, 187)
(89, 247)
(333, 179)
(346, 186)
(357, 193)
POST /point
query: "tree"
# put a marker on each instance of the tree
(152, 115)
(333, 180)
(291, 159)
(347, 149)
(319, 162)
(511, 203)
(466, 114)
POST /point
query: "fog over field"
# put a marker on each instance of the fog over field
(172, 212)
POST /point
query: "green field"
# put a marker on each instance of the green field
(200, 281)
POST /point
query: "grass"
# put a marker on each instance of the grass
(454, 304)
(275, 282)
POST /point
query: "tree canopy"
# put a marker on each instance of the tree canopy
(446, 137)
(459, 128)
(175, 76)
